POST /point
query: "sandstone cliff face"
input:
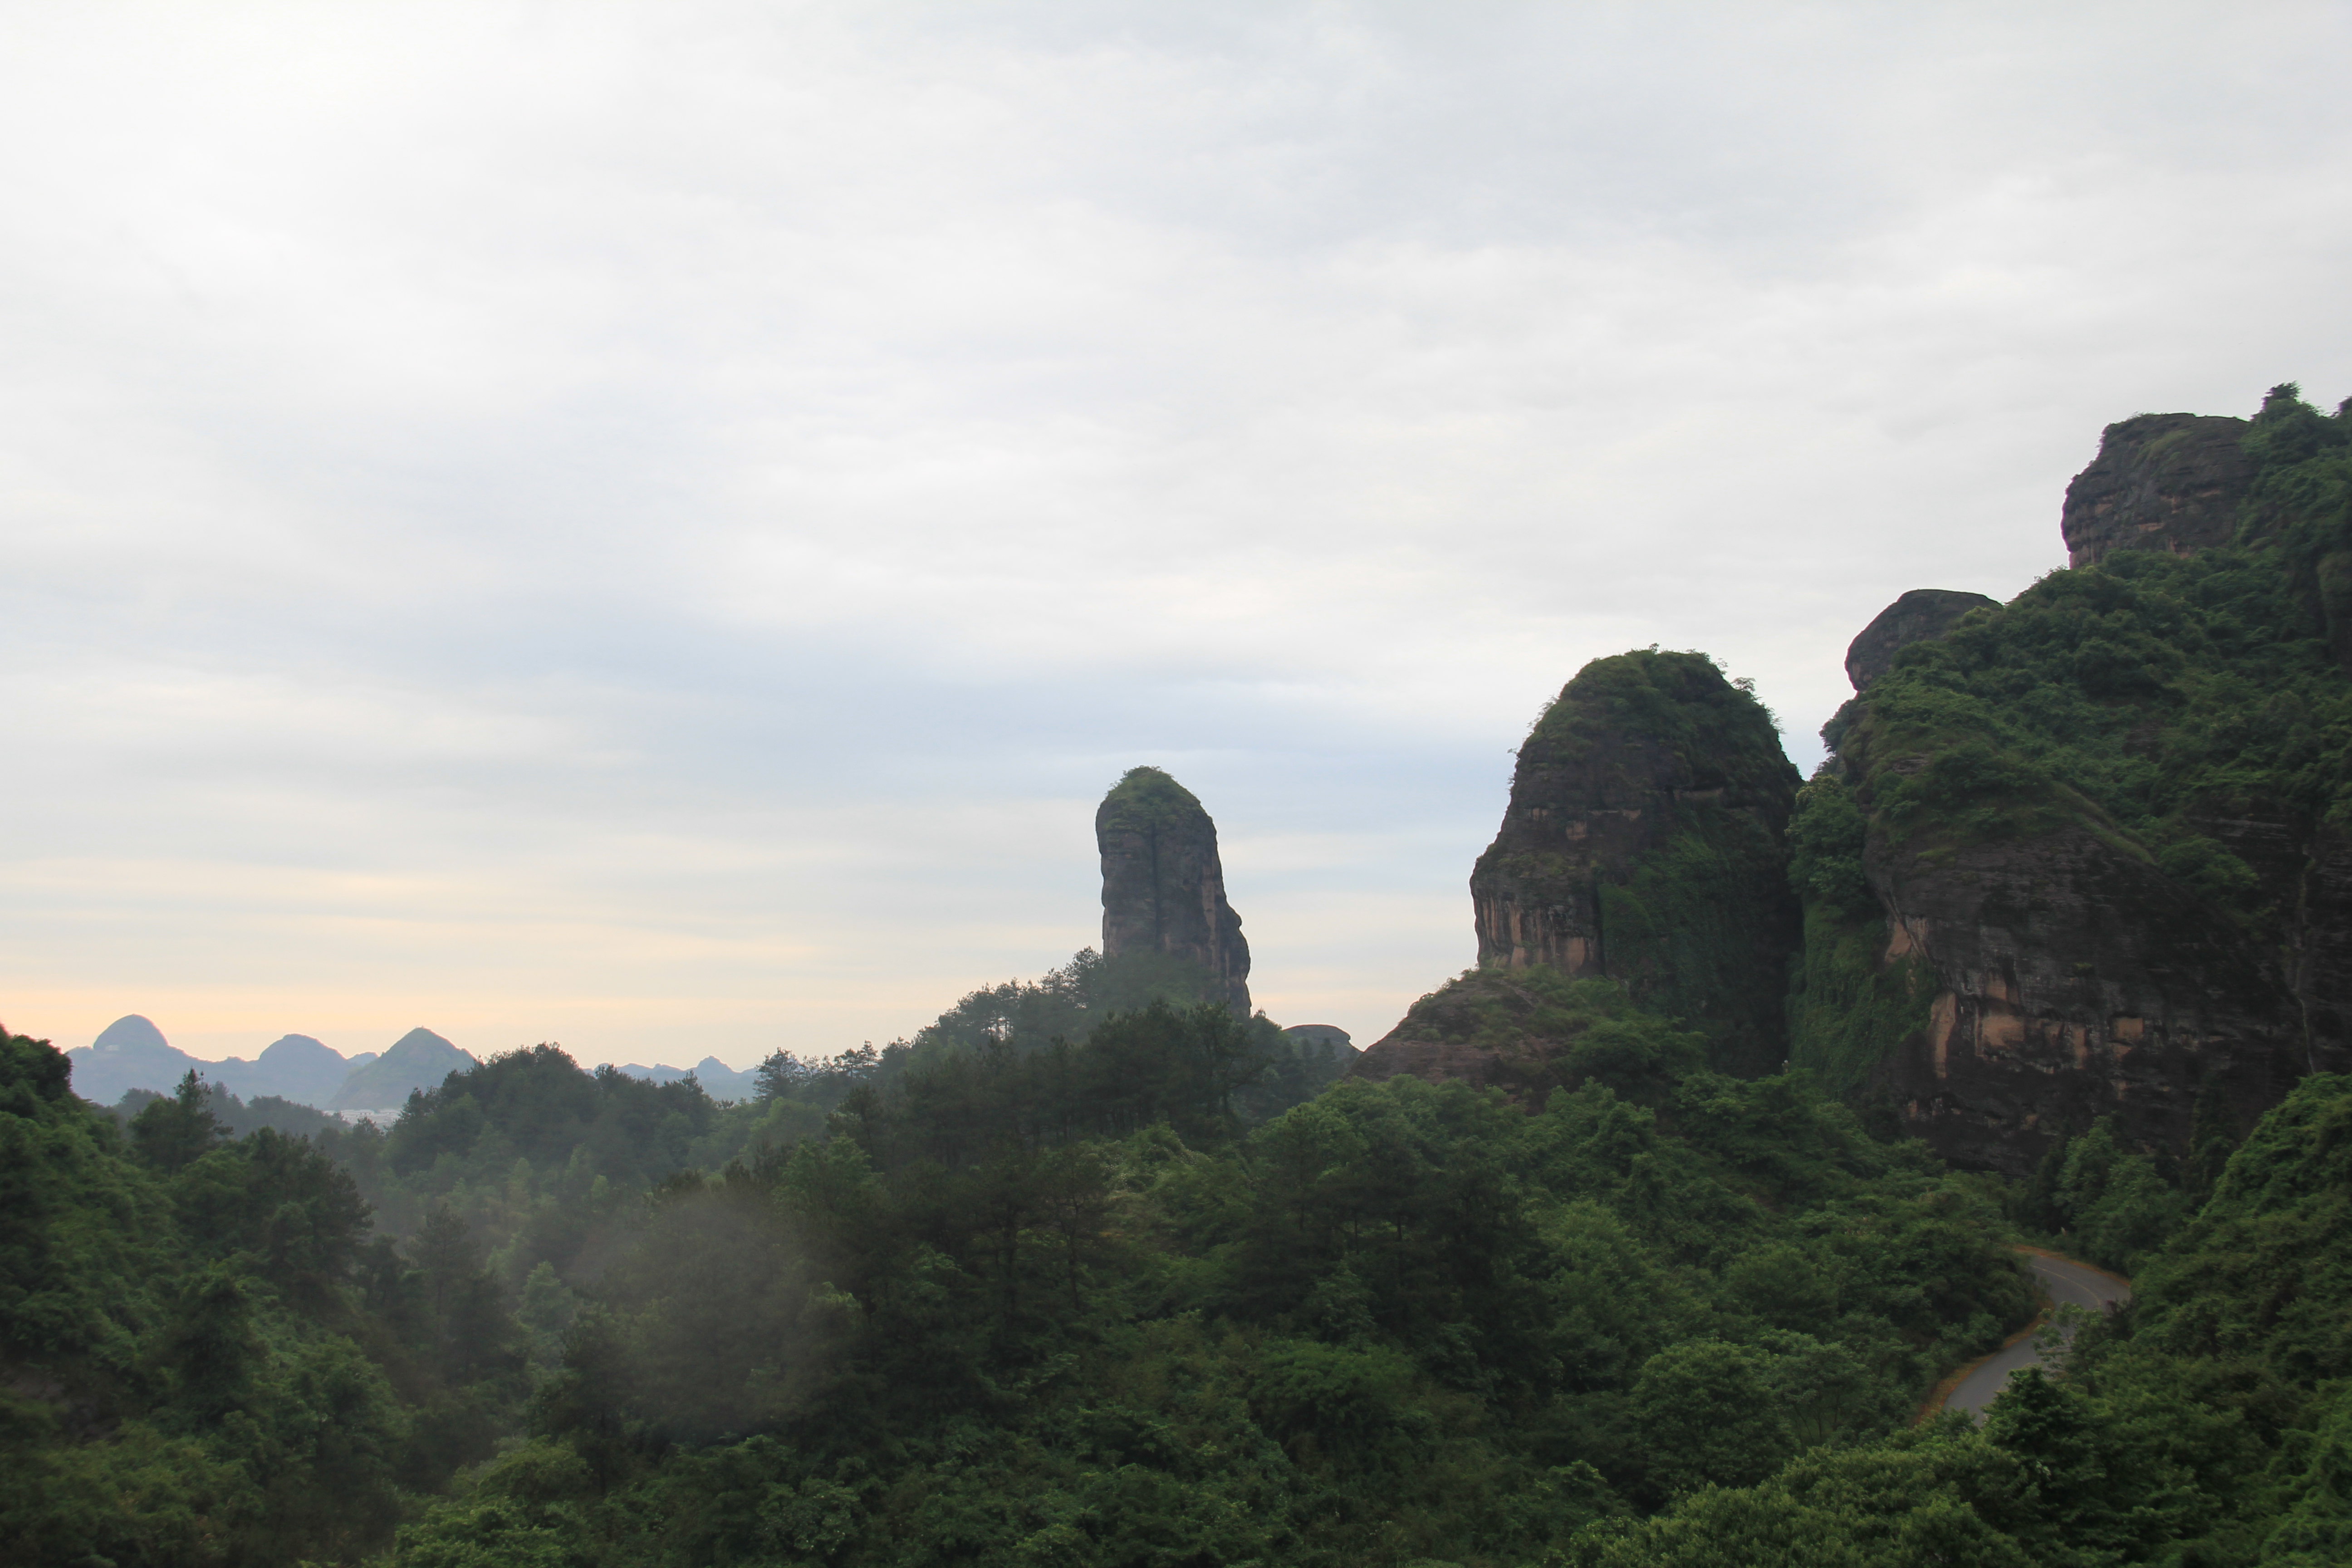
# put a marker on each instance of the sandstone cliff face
(2069, 979)
(1643, 842)
(2083, 858)
(2161, 481)
(2096, 827)
(1920, 615)
(1163, 885)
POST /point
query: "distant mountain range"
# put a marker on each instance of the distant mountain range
(718, 1080)
(294, 1066)
(133, 1054)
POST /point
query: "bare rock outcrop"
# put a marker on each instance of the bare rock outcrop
(1644, 843)
(2069, 978)
(1923, 615)
(2161, 481)
(1163, 885)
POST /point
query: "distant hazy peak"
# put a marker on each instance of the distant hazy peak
(132, 1031)
(418, 1059)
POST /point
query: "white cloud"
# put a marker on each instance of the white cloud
(654, 523)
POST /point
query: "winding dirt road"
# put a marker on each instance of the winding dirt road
(2067, 1283)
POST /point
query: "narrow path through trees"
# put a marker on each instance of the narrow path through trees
(2068, 1282)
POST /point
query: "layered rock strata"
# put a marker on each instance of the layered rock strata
(1643, 842)
(2161, 481)
(2062, 973)
(1163, 889)
(2069, 979)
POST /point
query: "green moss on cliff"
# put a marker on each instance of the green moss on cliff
(2154, 693)
(1691, 912)
(2162, 703)
(1692, 932)
(1848, 1004)
(1713, 726)
(1547, 1030)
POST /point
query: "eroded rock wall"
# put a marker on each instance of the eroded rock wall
(2071, 980)
(2161, 481)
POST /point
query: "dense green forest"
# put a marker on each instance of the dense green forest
(1065, 1304)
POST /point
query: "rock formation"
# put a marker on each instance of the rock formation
(1644, 842)
(1529, 1031)
(2087, 861)
(1163, 889)
(2161, 481)
(1449, 1037)
(1923, 615)
(2065, 977)
(2095, 862)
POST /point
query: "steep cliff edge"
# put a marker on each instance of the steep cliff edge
(1643, 842)
(1163, 889)
(2088, 855)
(2161, 481)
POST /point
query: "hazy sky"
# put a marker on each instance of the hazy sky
(652, 527)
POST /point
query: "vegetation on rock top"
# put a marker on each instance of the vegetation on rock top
(1149, 797)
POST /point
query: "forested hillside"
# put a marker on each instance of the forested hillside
(1064, 1305)
(1004, 1301)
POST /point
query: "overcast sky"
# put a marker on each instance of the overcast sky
(652, 527)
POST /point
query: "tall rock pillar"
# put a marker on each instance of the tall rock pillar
(1163, 887)
(1644, 842)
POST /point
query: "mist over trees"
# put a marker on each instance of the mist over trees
(995, 1303)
